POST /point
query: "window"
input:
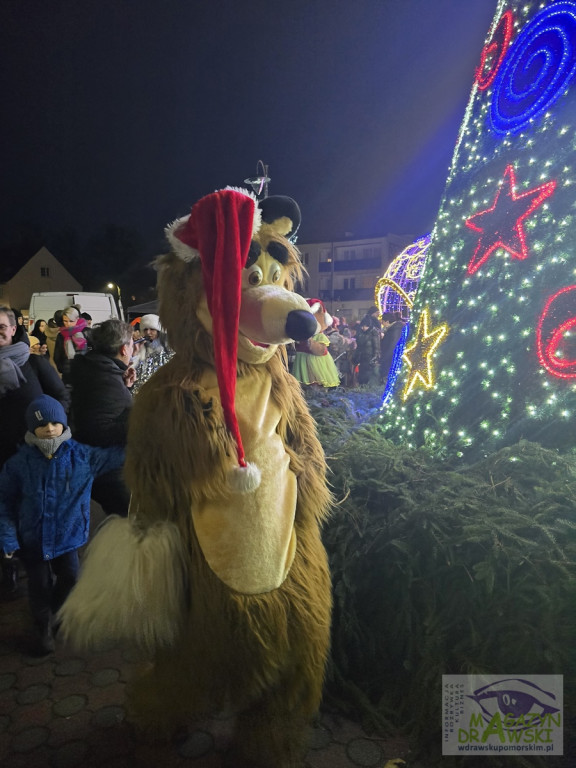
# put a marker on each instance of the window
(44, 271)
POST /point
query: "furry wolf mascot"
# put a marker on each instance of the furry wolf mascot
(219, 573)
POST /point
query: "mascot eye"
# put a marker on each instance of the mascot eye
(253, 253)
(255, 276)
(275, 274)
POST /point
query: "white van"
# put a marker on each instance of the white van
(101, 306)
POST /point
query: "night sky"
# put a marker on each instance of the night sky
(127, 111)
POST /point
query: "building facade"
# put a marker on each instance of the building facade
(20, 278)
(344, 274)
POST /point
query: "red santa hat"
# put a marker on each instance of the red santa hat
(219, 231)
(317, 304)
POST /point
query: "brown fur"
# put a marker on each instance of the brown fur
(263, 654)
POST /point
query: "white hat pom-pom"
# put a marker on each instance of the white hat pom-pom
(183, 251)
(244, 479)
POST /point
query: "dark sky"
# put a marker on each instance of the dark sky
(127, 111)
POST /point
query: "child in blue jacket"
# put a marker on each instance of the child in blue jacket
(45, 508)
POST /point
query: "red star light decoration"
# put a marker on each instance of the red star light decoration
(418, 355)
(502, 225)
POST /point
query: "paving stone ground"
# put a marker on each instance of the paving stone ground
(63, 710)
(67, 710)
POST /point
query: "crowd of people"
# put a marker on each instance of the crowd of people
(360, 354)
(65, 398)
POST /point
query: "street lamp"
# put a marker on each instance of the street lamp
(117, 287)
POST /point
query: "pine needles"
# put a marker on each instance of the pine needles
(441, 569)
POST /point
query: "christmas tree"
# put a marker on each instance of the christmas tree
(491, 356)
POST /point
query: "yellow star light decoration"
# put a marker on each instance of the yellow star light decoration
(418, 355)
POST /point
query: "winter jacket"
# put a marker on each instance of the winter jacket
(62, 358)
(45, 503)
(101, 402)
(41, 378)
(51, 336)
(367, 346)
(337, 344)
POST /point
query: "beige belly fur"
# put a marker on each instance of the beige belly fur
(248, 539)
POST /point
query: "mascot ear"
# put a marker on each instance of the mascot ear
(282, 214)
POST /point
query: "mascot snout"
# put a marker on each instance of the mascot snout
(301, 325)
(270, 314)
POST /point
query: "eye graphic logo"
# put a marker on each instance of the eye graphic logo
(524, 701)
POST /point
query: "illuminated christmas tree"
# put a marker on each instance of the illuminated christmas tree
(491, 356)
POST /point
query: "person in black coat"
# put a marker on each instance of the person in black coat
(39, 331)
(23, 378)
(20, 333)
(101, 403)
(72, 340)
(367, 350)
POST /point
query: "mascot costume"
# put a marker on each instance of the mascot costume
(219, 573)
(313, 365)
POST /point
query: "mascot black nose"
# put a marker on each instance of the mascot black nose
(300, 325)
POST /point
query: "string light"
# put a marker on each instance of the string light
(418, 355)
(510, 355)
(395, 292)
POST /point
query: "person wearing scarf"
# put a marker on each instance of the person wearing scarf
(23, 377)
(71, 341)
(45, 509)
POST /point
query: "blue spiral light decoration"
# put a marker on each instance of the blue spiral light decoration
(538, 69)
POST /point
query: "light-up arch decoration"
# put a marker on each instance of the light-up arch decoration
(395, 292)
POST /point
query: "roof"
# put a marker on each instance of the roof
(12, 260)
(143, 309)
